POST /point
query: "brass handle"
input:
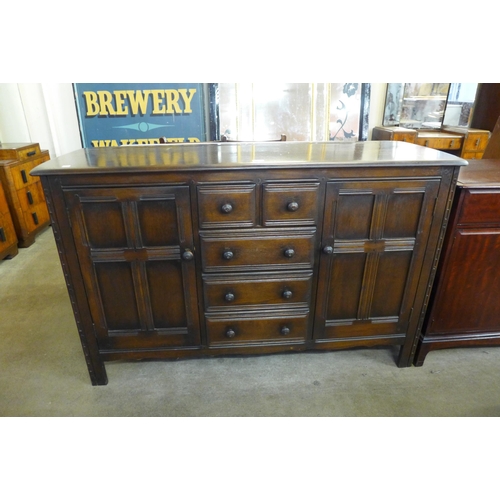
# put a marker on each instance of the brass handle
(230, 333)
(293, 206)
(477, 142)
(229, 297)
(228, 255)
(285, 330)
(226, 208)
(187, 255)
(287, 294)
(328, 250)
(426, 143)
(452, 143)
(289, 252)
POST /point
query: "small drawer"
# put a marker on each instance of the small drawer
(476, 142)
(252, 329)
(404, 137)
(290, 203)
(31, 196)
(257, 250)
(481, 206)
(28, 153)
(21, 174)
(36, 216)
(278, 290)
(226, 206)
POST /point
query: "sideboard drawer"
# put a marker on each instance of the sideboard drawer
(476, 141)
(439, 142)
(481, 206)
(235, 290)
(257, 249)
(290, 203)
(227, 205)
(238, 330)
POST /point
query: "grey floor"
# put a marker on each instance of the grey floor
(43, 372)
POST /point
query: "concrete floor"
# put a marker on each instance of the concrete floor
(43, 372)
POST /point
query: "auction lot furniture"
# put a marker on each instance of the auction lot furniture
(24, 193)
(465, 306)
(246, 248)
(8, 238)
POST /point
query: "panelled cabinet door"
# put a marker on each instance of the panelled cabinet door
(372, 253)
(135, 246)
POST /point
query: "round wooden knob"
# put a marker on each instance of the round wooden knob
(287, 294)
(188, 255)
(285, 330)
(226, 208)
(328, 250)
(289, 252)
(292, 206)
(229, 297)
(230, 333)
(228, 255)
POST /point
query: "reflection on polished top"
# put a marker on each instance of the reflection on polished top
(213, 155)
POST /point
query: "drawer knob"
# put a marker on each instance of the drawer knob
(228, 255)
(23, 176)
(328, 250)
(30, 197)
(289, 252)
(287, 294)
(285, 330)
(230, 333)
(226, 208)
(229, 297)
(293, 206)
(187, 255)
(2, 235)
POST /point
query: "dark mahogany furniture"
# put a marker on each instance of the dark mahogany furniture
(465, 306)
(245, 248)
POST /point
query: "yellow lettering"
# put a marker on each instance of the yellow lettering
(138, 100)
(120, 100)
(158, 106)
(172, 97)
(91, 103)
(187, 99)
(106, 103)
(104, 144)
(193, 139)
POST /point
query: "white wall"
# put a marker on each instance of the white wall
(46, 113)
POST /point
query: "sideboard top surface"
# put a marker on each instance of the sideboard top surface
(480, 173)
(217, 156)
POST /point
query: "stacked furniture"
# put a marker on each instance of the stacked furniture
(24, 193)
(244, 248)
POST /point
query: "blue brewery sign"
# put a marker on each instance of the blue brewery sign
(120, 114)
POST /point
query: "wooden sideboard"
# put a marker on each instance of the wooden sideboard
(465, 305)
(464, 142)
(24, 193)
(8, 238)
(247, 248)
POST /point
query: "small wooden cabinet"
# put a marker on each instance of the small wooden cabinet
(244, 248)
(8, 238)
(464, 142)
(465, 305)
(24, 193)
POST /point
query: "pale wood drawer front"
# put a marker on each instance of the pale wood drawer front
(246, 330)
(258, 249)
(404, 137)
(27, 153)
(21, 174)
(476, 142)
(481, 206)
(227, 205)
(290, 203)
(31, 196)
(440, 143)
(261, 290)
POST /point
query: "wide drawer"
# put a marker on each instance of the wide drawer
(481, 206)
(20, 153)
(257, 249)
(257, 290)
(440, 142)
(261, 328)
(290, 203)
(227, 205)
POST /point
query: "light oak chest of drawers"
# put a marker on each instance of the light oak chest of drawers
(248, 248)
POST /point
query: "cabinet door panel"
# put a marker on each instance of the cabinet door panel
(140, 289)
(369, 276)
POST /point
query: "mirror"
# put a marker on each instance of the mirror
(461, 98)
